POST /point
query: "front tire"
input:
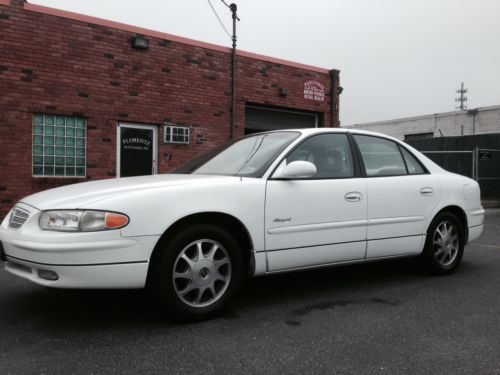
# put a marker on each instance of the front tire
(444, 244)
(197, 271)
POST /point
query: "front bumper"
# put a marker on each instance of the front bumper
(80, 260)
(90, 276)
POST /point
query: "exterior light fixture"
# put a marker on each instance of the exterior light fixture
(283, 92)
(140, 42)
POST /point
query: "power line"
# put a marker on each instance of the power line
(218, 18)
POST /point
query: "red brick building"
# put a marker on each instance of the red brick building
(85, 98)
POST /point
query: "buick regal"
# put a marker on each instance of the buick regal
(266, 203)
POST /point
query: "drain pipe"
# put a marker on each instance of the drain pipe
(335, 91)
(233, 9)
(473, 112)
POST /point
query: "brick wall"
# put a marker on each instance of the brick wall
(53, 62)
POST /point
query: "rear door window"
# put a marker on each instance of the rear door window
(381, 157)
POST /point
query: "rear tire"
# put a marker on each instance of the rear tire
(444, 244)
(197, 271)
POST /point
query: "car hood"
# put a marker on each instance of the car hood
(82, 195)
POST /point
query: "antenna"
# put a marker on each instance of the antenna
(462, 99)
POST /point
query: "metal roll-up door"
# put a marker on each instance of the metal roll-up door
(259, 119)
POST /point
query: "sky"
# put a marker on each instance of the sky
(398, 58)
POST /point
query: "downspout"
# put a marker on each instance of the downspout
(473, 112)
(334, 94)
(233, 8)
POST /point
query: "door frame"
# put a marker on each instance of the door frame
(136, 126)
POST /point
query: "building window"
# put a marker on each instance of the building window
(176, 134)
(413, 137)
(59, 146)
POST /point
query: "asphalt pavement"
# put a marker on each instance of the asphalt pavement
(378, 318)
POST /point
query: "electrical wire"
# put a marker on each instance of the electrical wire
(218, 18)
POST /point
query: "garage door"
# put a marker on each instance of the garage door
(259, 119)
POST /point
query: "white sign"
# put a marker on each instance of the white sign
(314, 90)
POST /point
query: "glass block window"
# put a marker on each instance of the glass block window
(176, 134)
(59, 146)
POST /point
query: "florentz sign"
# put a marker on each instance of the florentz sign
(314, 90)
(136, 143)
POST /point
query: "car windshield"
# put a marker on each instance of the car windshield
(250, 156)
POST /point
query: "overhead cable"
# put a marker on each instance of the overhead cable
(218, 18)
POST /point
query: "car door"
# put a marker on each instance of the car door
(401, 196)
(318, 220)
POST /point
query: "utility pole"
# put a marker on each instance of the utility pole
(462, 99)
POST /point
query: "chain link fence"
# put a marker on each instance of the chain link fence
(461, 162)
(474, 156)
(481, 164)
(488, 172)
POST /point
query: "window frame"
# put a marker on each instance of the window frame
(355, 162)
(75, 137)
(399, 147)
(168, 134)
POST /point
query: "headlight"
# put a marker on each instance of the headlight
(82, 220)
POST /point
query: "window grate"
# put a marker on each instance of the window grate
(176, 134)
(59, 146)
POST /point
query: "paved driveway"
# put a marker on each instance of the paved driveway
(369, 319)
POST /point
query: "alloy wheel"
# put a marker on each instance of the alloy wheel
(202, 273)
(446, 243)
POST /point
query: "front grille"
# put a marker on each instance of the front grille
(20, 267)
(18, 218)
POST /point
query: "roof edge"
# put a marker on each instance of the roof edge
(414, 118)
(161, 35)
(275, 60)
(121, 26)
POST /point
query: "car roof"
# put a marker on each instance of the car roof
(431, 165)
(311, 131)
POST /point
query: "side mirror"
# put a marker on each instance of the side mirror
(297, 169)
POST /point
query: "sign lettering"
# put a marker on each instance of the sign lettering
(314, 90)
(134, 143)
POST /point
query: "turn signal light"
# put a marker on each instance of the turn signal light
(115, 221)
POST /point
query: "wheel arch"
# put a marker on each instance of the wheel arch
(461, 215)
(235, 227)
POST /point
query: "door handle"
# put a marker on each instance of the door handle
(426, 191)
(353, 196)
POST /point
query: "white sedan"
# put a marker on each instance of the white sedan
(266, 203)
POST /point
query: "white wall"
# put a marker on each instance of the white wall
(477, 121)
